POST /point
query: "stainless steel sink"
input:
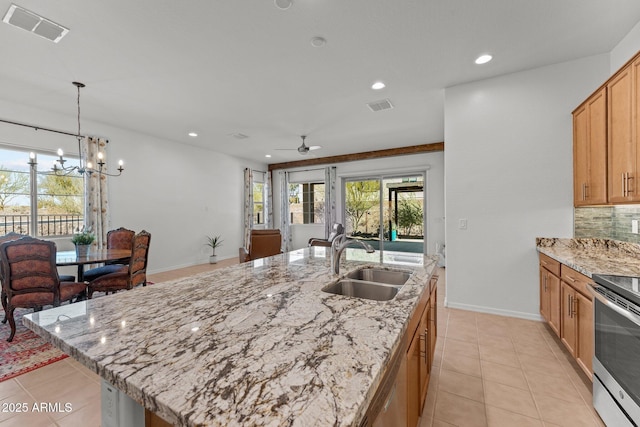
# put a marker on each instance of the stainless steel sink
(390, 277)
(362, 289)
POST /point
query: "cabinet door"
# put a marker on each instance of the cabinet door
(553, 291)
(567, 320)
(584, 350)
(544, 293)
(433, 325)
(590, 151)
(413, 380)
(423, 330)
(622, 149)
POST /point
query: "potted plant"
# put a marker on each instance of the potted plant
(213, 243)
(83, 241)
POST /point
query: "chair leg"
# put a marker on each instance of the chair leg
(12, 323)
(3, 297)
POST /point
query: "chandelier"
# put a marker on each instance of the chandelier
(89, 168)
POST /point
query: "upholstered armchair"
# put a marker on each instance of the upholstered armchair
(126, 276)
(336, 230)
(30, 277)
(120, 238)
(3, 295)
(262, 243)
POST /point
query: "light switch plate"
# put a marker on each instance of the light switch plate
(634, 226)
(462, 223)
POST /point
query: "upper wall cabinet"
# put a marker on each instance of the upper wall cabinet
(590, 151)
(606, 136)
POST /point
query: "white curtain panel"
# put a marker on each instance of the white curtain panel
(268, 201)
(330, 215)
(284, 211)
(248, 205)
(95, 190)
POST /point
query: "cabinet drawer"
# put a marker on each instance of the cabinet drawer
(577, 281)
(550, 264)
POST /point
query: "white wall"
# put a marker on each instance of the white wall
(508, 171)
(628, 46)
(434, 162)
(179, 193)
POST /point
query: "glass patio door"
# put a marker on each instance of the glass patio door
(386, 212)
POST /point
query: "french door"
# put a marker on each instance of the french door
(386, 211)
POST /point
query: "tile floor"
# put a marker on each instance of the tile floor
(488, 371)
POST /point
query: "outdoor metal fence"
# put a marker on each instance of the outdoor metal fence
(47, 225)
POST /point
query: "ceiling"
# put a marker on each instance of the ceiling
(165, 68)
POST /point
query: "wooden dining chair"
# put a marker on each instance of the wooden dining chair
(30, 277)
(120, 238)
(127, 276)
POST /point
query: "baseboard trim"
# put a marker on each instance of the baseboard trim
(497, 311)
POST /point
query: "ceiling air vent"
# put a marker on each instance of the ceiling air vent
(22, 18)
(239, 135)
(383, 104)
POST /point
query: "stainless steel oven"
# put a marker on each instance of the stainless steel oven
(616, 362)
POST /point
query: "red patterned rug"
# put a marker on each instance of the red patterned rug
(26, 352)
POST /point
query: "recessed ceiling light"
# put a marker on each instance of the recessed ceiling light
(318, 41)
(193, 134)
(483, 59)
(378, 86)
(267, 155)
(283, 4)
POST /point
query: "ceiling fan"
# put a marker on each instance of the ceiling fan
(304, 148)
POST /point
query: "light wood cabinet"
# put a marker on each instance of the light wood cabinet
(567, 306)
(577, 318)
(550, 292)
(400, 398)
(622, 150)
(590, 151)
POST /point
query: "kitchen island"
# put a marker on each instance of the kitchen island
(254, 344)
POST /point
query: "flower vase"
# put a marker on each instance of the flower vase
(82, 250)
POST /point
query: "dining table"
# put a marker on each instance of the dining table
(94, 256)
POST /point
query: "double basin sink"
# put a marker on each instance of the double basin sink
(370, 283)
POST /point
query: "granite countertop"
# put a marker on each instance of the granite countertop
(593, 256)
(253, 344)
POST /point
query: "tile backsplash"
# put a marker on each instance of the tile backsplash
(606, 222)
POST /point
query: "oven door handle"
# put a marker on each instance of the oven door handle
(615, 307)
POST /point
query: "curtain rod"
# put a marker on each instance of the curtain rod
(41, 128)
(306, 170)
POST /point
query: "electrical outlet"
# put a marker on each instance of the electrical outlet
(109, 404)
(634, 226)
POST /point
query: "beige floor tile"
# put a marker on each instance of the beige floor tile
(33, 419)
(462, 364)
(534, 349)
(469, 349)
(462, 334)
(88, 415)
(461, 384)
(440, 423)
(499, 342)
(503, 374)
(544, 366)
(455, 313)
(565, 413)
(9, 388)
(459, 411)
(510, 398)
(500, 356)
(558, 386)
(432, 392)
(17, 405)
(497, 417)
(54, 371)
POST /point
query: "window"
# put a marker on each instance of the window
(55, 204)
(258, 203)
(306, 203)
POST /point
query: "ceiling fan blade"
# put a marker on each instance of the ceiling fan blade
(315, 147)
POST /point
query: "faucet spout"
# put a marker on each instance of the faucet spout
(339, 244)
